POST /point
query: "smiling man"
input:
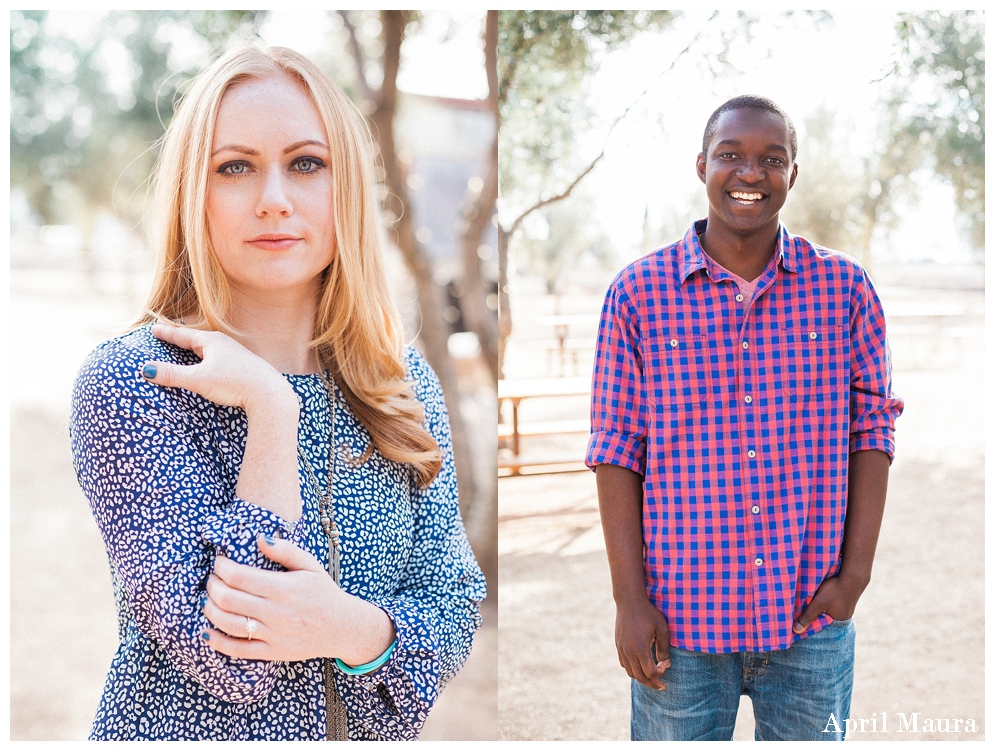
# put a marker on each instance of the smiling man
(742, 427)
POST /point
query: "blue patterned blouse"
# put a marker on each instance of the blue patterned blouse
(159, 467)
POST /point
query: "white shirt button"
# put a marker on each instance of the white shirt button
(759, 561)
(746, 345)
(751, 453)
(748, 399)
(673, 342)
(756, 510)
(739, 298)
(813, 335)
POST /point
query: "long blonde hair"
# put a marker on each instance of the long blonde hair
(357, 335)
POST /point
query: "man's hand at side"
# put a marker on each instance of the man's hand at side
(639, 625)
(639, 628)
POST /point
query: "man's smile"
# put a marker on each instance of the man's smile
(744, 198)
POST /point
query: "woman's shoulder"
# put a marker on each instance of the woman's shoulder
(132, 350)
(115, 366)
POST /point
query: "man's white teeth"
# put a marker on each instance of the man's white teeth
(746, 196)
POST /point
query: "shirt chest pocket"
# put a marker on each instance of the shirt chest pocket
(684, 370)
(814, 361)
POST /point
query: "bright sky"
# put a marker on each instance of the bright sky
(650, 158)
(445, 58)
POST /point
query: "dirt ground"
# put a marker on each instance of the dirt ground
(920, 623)
(62, 620)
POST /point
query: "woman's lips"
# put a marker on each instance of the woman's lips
(274, 242)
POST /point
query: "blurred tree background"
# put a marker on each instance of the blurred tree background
(931, 123)
(545, 58)
(85, 115)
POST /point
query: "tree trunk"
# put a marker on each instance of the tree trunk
(477, 215)
(504, 300)
(434, 332)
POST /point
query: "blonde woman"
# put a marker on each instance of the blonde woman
(270, 468)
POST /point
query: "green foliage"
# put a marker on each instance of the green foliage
(933, 118)
(825, 203)
(86, 115)
(939, 100)
(532, 42)
(544, 59)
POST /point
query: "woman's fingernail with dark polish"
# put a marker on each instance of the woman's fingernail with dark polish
(203, 600)
(205, 636)
(269, 540)
(149, 371)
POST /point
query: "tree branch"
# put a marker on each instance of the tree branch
(357, 56)
(593, 163)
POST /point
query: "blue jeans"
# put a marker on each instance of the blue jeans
(795, 692)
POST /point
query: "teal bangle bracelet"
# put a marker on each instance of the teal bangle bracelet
(370, 666)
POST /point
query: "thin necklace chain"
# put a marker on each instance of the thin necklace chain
(325, 508)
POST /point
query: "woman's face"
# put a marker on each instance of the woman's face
(269, 197)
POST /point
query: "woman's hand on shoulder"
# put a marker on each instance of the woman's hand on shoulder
(228, 373)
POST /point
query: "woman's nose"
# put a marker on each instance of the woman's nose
(274, 199)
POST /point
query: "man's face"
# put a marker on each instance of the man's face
(747, 171)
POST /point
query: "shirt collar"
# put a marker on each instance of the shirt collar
(692, 256)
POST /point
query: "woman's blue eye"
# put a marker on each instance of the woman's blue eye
(233, 168)
(309, 164)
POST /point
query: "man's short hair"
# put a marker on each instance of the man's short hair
(752, 102)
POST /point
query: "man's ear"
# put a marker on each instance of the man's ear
(700, 166)
(794, 174)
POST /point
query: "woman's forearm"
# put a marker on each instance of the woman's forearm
(369, 633)
(269, 473)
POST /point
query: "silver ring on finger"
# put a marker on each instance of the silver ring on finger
(250, 627)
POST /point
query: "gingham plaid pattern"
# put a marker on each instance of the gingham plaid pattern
(741, 420)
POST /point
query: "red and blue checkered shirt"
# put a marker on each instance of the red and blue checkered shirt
(741, 420)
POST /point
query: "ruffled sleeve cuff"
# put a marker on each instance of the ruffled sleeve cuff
(394, 700)
(235, 529)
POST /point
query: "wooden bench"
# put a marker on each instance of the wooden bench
(518, 390)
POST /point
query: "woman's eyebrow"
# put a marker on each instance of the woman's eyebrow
(301, 144)
(252, 152)
(235, 147)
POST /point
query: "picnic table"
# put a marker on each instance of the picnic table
(518, 390)
(562, 344)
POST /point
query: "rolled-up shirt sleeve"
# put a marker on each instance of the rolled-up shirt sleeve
(165, 509)
(874, 407)
(435, 609)
(618, 410)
